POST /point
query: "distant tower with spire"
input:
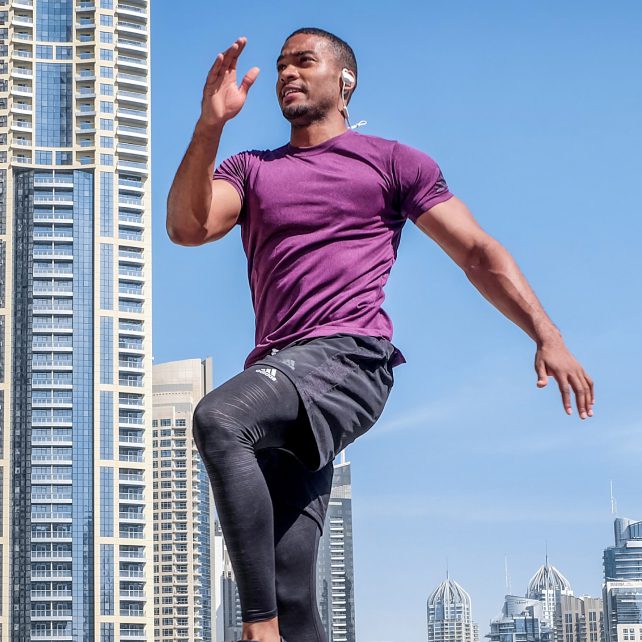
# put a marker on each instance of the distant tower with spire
(548, 586)
(450, 614)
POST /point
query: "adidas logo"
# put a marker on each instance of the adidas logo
(268, 372)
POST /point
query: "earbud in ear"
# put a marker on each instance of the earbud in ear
(348, 77)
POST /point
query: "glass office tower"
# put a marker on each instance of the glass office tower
(75, 321)
(622, 588)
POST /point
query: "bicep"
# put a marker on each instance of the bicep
(452, 226)
(225, 209)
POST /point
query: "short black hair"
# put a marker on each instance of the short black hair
(341, 49)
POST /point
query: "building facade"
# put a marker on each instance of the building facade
(521, 620)
(75, 321)
(184, 593)
(582, 619)
(622, 588)
(335, 563)
(449, 613)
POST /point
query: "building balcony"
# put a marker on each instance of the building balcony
(42, 614)
(131, 62)
(131, 45)
(132, 166)
(52, 573)
(23, 4)
(22, 20)
(130, 10)
(51, 594)
(23, 92)
(21, 72)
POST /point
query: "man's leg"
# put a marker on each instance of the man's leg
(297, 537)
(248, 412)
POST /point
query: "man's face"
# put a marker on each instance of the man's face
(308, 84)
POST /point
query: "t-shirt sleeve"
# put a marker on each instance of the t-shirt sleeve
(418, 180)
(234, 171)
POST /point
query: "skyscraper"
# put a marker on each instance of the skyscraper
(548, 586)
(75, 315)
(335, 565)
(184, 531)
(622, 589)
(450, 616)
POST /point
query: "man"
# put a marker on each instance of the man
(321, 219)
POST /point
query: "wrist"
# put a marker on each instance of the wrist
(209, 131)
(548, 335)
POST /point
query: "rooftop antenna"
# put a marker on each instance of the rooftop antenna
(508, 588)
(546, 549)
(613, 502)
(447, 570)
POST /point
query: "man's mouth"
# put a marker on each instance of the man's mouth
(289, 91)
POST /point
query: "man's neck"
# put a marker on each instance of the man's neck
(316, 133)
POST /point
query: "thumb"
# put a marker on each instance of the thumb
(248, 79)
(540, 368)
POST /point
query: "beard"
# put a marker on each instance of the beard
(303, 115)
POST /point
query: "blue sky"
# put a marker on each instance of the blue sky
(532, 111)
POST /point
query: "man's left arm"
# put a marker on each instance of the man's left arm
(494, 272)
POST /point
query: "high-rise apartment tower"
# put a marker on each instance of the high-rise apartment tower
(75, 321)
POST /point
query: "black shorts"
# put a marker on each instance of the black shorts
(344, 381)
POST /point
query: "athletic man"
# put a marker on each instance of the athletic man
(321, 218)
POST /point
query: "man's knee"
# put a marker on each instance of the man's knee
(209, 424)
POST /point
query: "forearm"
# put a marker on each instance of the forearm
(494, 272)
(190, 196)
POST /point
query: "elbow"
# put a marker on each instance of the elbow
(481, 256)
(181, 237)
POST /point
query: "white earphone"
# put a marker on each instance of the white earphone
(348, 80)
(348, 77)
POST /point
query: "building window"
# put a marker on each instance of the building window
(106, 54)
(107, 124)
(44, 51)
(106, 107)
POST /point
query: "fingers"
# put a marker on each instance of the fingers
(248, 79)
(226, 61)
(566, 395)
(581, 390)
(214, 72)
(540, 369)
(232, 54)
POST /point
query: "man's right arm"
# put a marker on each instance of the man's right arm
(200, 209)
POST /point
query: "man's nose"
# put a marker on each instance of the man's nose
(288, 73)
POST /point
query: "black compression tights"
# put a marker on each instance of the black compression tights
(272, 546)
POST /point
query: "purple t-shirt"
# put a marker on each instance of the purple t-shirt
(321, 226)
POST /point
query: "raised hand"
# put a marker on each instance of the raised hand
(222, 98)
(554, 359)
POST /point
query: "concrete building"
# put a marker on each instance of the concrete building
(622, 588)
(335, 564)
(450, 616)
(185, 594)
(75, 321)
(582, 619)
